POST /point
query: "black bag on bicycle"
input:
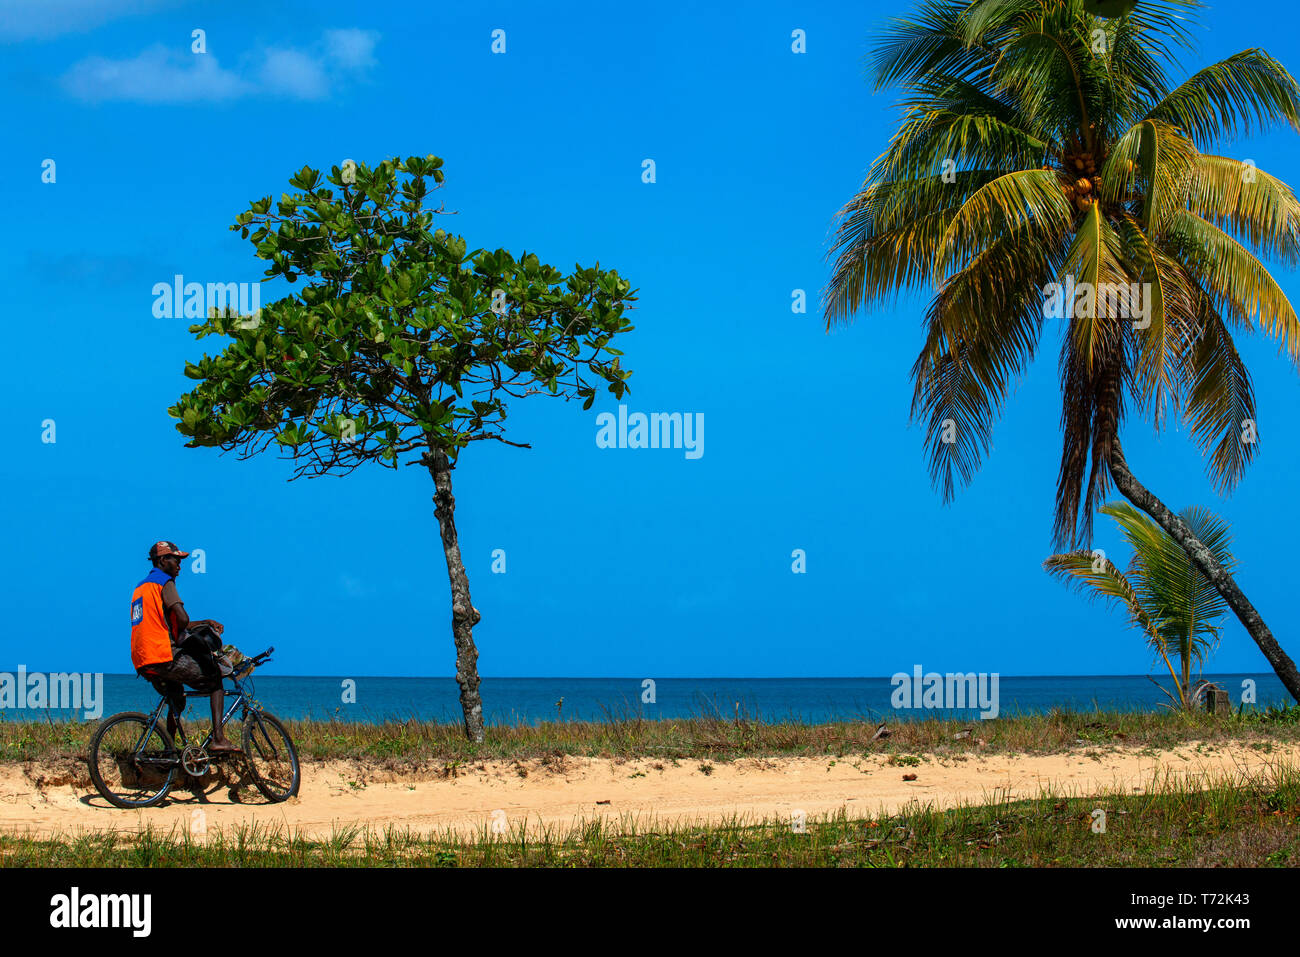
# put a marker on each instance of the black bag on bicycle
(203, 644)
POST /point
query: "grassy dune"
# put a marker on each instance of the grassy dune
(1236, 822)
(719, 739)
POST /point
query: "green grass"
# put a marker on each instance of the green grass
(1237, 822)
(717, 739)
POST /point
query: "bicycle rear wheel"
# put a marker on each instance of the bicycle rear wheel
(131, 764)
(272, 758)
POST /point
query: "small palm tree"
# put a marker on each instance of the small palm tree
(1164, 593)
(1045, 152)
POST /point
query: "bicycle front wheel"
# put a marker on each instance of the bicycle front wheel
(272, 758)
(132, 764)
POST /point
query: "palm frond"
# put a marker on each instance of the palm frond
(1246, 92)
(1162, 334)
(982, 330)
(1259, 209)
(1095, 576)
(886, 237)
(1095, 262)
(1025, 198)
(1239, 283)
(1166, 583)
(1094, 366)
(934, 42)
(1220, 400)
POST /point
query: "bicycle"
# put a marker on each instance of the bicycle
(133, 759)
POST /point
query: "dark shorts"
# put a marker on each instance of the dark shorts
(168, 677)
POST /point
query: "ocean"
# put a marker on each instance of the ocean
(530, 700)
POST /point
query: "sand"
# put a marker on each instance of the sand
(43, 799)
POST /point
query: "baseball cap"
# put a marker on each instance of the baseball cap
(160, 549)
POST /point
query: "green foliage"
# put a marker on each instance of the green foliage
(400, 338)
(1038, 141)
(1278, 714)
(1164, 595)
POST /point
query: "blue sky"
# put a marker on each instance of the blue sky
(619, 562)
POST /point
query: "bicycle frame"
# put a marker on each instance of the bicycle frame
(239, 700)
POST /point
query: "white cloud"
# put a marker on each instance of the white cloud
(42, 19)
(351, 49)
(294, 74)
(161, 75)
(157, 75)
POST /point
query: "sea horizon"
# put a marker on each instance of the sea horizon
(529, 700)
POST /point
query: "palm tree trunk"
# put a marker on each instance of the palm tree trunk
(1214, 573)
(464, 616)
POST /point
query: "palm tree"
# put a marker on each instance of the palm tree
(1041, 145)
(1164, 594)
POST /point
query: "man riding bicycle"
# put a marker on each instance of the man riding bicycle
(166, 647)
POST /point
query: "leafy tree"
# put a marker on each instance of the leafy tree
(399, 346)
(1042, 148)
(1164, 593)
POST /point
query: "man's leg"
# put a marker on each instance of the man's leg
(173, 716)
(174, 693)
(219, 740)
(209, 680)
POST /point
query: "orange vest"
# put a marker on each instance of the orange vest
(151, 639)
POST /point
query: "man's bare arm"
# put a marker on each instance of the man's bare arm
(183, 622)
(180, 618)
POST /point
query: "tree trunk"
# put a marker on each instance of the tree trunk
(1214, 573)
(464, 616)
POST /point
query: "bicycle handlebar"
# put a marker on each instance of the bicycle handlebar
(248, 664)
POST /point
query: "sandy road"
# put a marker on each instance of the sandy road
(42, 799)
